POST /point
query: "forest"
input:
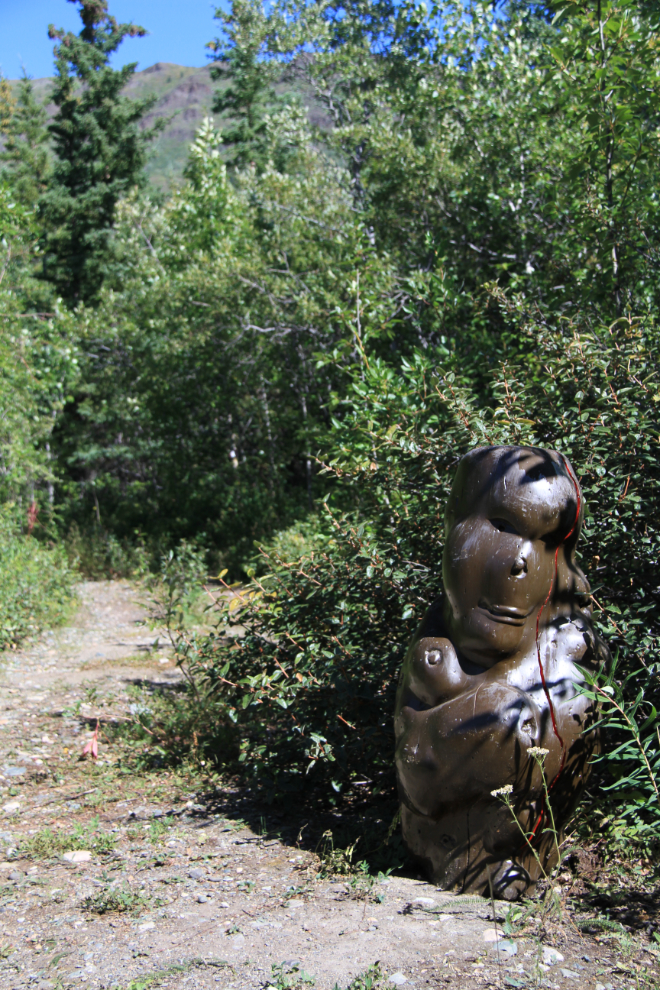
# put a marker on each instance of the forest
(264, 378)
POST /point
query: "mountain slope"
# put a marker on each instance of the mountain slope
(184, 97)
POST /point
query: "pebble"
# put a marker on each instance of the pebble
(569, 974)
(202, 899)
(424, 901)
(551, 956)
(15, 875)
(77, 856)
(146, 926)
(196, 873)
(490, 935)
(11, 806)
(398, 979)
(294, 903)
(506, 945)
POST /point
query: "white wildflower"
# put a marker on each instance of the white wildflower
(501, 791)
(537, 751)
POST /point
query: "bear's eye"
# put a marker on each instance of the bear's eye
(502, 526)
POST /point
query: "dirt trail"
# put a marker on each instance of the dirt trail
(173, 890)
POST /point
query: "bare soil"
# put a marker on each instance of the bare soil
(184, 883)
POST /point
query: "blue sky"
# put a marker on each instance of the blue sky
(178, 31)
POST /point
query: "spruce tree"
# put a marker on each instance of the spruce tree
(99, 148)
(7, 105)
(24, 158)
(240, 55)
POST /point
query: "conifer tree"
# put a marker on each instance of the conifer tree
(99, 147)
(25, 155)
(7, 105)
(249, 95)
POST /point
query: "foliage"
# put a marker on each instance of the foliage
(99, 149)
(36, 581)
(24, 158)
(288, 975)
(117, 899)
(241, 55)
(297, 350)
(372, 978)
(47, 843)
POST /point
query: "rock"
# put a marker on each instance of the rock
(196, 873)
(15, 875)
(569, 974)
(398, 979)
(506, 945)
(224, 904)
(11, 806)
(146, 926)
(295, 903)
(551, 956)
(77, 856)
(491, 935)
(424, 902)
(202, 899)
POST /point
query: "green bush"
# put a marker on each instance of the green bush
(36, 582)
(305, 660)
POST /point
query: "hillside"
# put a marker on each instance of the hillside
(184, 96)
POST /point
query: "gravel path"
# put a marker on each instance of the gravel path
(114, 877)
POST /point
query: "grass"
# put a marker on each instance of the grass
(156, 978)
(48, 843)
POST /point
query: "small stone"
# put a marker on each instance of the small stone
(196, 873)
(15, 875)
(77, 856)
(424, 902)
(398, 979)
(600, 986)
(551, 956)
(202, 899)
(491, 935)
(238, 940)
(506, 945)
(146, 926)
(295, 903)
(11, 806)
(569, 974)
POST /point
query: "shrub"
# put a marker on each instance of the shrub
(36, 582)
(305, 660)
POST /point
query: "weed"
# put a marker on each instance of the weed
(48, 843)
(116, 900)
(335, 862)
(372, 979)
(287, 976)
(158, 828)
(292, 892)
(339, 862)
(362, 884)
(551, 902)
